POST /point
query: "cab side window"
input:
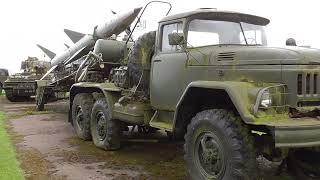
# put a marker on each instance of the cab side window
(166, 30)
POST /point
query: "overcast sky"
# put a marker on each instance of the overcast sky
(26, 23)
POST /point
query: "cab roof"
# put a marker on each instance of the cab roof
(214, 14)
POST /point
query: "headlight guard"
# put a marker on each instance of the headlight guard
(271, 97)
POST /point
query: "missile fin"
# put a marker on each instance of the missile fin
(73, 35)
(49, 53)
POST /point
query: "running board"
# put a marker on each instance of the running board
(162, 120)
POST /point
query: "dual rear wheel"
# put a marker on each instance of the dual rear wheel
(91, 119)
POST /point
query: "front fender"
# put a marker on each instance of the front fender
(237, 91)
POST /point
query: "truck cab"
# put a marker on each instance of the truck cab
(210, 77)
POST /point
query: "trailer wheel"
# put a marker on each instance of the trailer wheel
(218, 146)
(81, 111)
(105, 131)
(40, 98)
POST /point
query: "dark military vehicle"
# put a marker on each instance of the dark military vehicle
(209, 77)
(21, 86)
(3, 76)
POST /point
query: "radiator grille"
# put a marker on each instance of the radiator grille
(307, 84)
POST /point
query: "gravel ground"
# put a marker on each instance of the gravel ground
(48, 149)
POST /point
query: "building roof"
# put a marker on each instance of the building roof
(219, 15)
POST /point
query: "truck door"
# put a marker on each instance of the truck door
(167, 70)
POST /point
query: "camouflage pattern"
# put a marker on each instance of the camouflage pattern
(22, 85)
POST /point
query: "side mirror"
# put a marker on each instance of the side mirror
(175, 39)
(291, 42)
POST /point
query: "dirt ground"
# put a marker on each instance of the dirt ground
(48, 149)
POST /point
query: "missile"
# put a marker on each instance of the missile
(86, 43)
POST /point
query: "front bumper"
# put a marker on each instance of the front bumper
(297, 136)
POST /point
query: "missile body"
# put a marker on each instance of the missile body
(80, 48)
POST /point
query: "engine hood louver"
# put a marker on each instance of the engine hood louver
(226, 56)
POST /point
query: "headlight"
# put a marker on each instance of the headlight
(271, 97)
(266, 100)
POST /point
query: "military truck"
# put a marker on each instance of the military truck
(207, 76)
(3, 76)
(21, 86)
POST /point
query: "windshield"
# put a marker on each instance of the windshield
(210, 32)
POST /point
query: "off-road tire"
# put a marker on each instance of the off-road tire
(139, 60)
(81, 114)
(234, 139)
(10, 96)
(110, 140)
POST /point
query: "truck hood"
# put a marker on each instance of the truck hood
(302, 55)
(268, 55)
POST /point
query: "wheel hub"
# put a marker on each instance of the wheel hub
(101, 125)
(210, 156)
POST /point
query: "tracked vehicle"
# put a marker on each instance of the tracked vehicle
(21, 86)
(209, 77)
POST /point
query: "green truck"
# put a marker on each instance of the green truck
(208, 77)
(3, 76)
(21, 86)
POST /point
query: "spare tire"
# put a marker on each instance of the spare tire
(139, 61)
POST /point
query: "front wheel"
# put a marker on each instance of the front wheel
(218, 146)
(104, 130)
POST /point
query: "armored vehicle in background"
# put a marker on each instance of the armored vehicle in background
(21, 86)
(3, 76)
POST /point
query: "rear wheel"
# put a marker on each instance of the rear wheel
(105, 131)
(218, 146)
(81, 111)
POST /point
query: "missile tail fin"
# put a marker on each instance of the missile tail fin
(49, 53)
(73, 35)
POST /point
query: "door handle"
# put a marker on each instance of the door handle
(157, 60)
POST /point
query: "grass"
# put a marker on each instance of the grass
(9, 166)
